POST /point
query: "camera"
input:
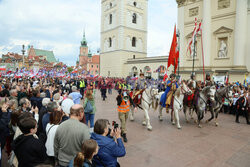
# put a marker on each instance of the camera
(116, 125)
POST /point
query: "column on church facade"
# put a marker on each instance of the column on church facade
(240, 34)
(180, 26)
(206, 31)
(248, 38)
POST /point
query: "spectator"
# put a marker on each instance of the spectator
(52, 107)
(55, 119)
(69, 136)
(84, 158)
(89, 115)
(29, 150)
(242, 108)
(13, 95)
(109, 150)
(36, 100)
(42, 111)
(75, 95)
(67, 104)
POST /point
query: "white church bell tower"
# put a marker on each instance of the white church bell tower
(123, 34)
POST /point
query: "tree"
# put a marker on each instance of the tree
(70, 69)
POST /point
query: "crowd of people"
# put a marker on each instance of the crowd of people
(52, 120)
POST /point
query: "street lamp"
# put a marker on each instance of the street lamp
(178, 46)
(23, 51)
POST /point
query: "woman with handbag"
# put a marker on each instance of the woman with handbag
(55, 120)
(89, 108)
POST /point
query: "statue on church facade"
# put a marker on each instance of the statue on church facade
(223, 49)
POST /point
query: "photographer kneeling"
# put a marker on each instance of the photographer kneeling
(109, 149)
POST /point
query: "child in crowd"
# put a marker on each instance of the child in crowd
(84, 158)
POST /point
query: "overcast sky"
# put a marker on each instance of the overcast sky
(58, 25)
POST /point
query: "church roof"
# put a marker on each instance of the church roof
(49, 54)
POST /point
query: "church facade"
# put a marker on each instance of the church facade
(225, 37)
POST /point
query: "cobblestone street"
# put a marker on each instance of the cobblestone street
(227, 145)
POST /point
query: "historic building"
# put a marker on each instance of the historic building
(87, 61)
(45, 54)
(225, 34)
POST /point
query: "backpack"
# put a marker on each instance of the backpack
(88, 108)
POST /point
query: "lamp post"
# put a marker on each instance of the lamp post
(23, 51)
(178, 46)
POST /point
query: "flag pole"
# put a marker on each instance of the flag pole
(178, 36)
(194, 53)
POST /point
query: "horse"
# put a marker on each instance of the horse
(148, 97)
(177, 103)
(225, 92)
(207, 93)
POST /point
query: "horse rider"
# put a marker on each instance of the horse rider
(139, 87)
(166, 98)
(208, 81)
(124, 101)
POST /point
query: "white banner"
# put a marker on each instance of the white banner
(219, 79)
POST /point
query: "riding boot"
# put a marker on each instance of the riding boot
(124, 136)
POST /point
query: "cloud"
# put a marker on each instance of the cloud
(58, 25)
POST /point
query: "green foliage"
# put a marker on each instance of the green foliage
(70, 69)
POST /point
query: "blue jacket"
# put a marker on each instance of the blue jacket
(164, 95)
(109, 150)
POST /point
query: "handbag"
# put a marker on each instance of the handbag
(88, 108)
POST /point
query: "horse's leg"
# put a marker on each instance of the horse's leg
(199, 118)
(144, 123)
(172, 117)
(212, 115)
(191, 112)
(177, 118)
(216, 116)
(185, 112)
(131, 117)
(160, 113)
(147, 118)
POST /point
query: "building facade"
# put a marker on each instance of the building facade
(45, 54)
(123, 34)
(225, 34)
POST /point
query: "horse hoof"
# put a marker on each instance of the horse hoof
(173, 123)
(199, 126)
(160, 118)
(216, 124)
(144, 123)
(132, 119)
(179, 127)
(150, 128)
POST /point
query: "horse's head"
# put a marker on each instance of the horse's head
(230, 93)
(185, 89)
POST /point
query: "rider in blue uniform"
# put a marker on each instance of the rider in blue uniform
(166, 98)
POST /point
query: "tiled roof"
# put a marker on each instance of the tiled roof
(49, 54)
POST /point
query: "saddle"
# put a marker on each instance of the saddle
(137, 96)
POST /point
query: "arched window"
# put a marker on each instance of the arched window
(134, 18)
(133, 56)
(134, 42)
(110, 5)
(135, 3)
(110, 42)
(110, 19)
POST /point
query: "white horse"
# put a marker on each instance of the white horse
(177, 103)
(148, 98)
